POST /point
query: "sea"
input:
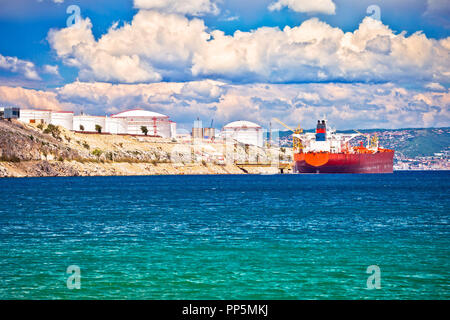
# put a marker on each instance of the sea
(379, 236)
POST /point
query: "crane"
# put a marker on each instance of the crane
(296, 142)
(365, 134)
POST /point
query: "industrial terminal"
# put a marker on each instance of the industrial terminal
(138, 122)
(251, 144)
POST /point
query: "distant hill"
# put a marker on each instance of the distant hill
(409, 142)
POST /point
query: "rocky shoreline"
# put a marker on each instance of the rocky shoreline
(32, 151)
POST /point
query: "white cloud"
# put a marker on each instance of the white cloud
(29, 98)
(434, 86)
(190, 7)
(157, 46)
(51, 69)
(346, 105)
(315, 6)
(315, 51)
(154, 43)
(23, 67)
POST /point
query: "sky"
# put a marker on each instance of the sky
(361, 64)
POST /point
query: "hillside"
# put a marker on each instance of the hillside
(27, 150)
(411, 143)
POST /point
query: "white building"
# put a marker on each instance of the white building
(245, 132)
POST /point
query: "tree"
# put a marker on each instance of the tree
(97, 152)
(53, 130)
(144, 130)
(81, 127)
(98, 128)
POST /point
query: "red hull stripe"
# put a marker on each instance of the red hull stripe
(381, 162)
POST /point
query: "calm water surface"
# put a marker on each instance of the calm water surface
(226, 237)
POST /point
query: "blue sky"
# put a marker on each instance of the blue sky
(232, 59)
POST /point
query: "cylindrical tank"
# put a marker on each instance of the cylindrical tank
(197, 133)
(209, 133)
(63, 119)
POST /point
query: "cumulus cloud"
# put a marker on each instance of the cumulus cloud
(190, 7)
(434, 86)
(158, 46)
(316, 6)
(346, 105)
(29, 98)
(16, 65)
(51, 69)
(315, 51)
(152, 45)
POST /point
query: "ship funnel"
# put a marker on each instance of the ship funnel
(321, 131)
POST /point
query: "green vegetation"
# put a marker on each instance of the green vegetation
(424, 142)
(97, 152)
(53, 130)
(98, 128)
(144, 130)
(86, 145)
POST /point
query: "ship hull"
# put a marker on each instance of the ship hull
(380, 162)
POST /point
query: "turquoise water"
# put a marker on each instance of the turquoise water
(226, 237)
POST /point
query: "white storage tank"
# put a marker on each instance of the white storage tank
(157, 124)
(62, 118)
(84, 123)
(245, 132)
(173, 129)
(35, 116)
(115, 125)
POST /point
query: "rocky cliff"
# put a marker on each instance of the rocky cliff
(41, 150)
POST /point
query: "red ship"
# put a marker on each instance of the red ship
(326, 151)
